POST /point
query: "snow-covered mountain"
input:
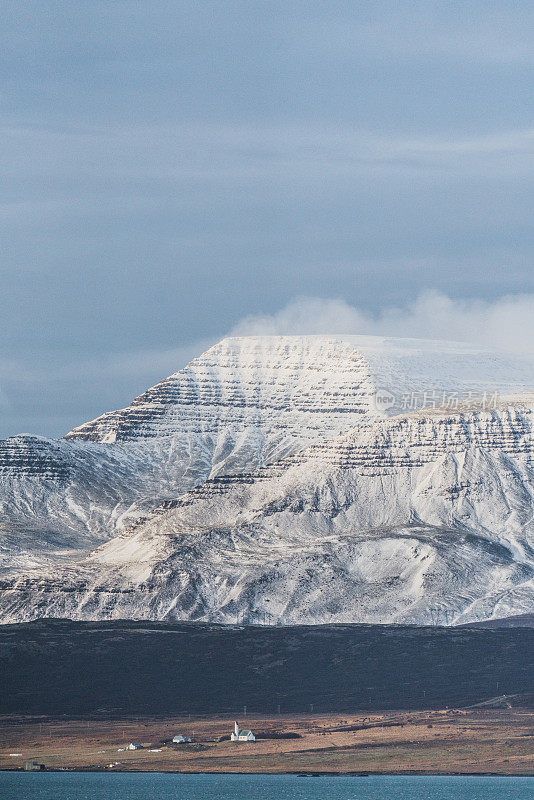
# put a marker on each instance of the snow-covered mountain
(285, 479)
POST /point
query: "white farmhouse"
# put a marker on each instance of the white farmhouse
(134, 746)
(179, 739)
(242, 735)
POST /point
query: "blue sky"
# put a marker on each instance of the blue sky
(169, 168)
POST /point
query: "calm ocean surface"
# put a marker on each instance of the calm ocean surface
(139, 786)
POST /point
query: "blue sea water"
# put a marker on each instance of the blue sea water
(145, 786)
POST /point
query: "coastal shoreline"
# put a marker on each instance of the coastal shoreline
(367, 774)
(447, 742)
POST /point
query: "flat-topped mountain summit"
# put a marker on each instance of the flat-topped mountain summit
(305, 384)
(294, 479)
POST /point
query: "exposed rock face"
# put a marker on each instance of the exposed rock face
(279, 387)
(263, 482)
(26, 456)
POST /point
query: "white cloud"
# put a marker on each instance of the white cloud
(507, 322)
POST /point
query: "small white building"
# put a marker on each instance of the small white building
(134, 746)
(179, 739)
(242, 735)
(33, 766)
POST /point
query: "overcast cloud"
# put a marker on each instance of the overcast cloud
(171, 168)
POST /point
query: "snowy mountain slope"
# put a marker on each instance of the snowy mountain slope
(244, 403)
(59, 495)
(253, 402)
(269, 479)
(425, 517)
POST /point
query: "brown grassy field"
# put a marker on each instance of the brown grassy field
(499, 741)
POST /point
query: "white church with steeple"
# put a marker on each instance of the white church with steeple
(241, 735)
